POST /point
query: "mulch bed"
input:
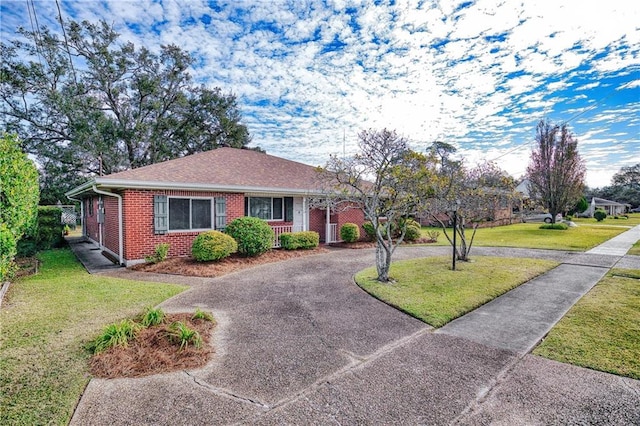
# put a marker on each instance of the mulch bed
(188, 266)
(153, 353)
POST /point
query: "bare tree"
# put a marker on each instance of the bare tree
(556, 170)
(464, 198)
(386, 181)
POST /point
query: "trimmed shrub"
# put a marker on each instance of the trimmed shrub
(558, 226)
(254, 236)
(349, 233)
(212, 245)
(160, 253)
(413, 232)
(299, 240)
(369, 230)
(600, 215)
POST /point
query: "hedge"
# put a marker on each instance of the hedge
(299, 240)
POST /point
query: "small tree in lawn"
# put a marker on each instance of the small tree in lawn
(385, 180)
(473, 194)
(556, 170)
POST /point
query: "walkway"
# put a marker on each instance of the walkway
(298, 343)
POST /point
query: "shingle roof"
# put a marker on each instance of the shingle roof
(225, 167)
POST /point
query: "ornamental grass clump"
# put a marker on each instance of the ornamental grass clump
(152, 317)
(183, 335)
(116, 334)
(213, 245)
(254, 236)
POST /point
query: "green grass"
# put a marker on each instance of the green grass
(633, 220)
(46, 319)
(429, 290)
(529, 235)
(635, 249)
(602, 331)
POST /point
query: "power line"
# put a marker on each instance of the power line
(33, 29)
(66, 43)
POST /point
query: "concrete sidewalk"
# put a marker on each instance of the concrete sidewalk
(299, 343)
(519, 319)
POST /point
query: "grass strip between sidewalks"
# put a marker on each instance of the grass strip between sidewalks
(529, 235)
(46, 319)
(602, 330)
(429, 290)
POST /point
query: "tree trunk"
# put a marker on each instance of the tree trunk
(383, 261)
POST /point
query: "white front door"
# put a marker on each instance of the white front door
(298, 214)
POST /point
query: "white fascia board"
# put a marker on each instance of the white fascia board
(137, 184)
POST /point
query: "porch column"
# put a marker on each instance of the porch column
(327, 239)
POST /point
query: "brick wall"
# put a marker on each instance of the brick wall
(139, 237)
(110, 239)
(318, 220)
(91, 218)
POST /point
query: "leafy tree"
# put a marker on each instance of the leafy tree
(385, 180)
(115, 107)
(581, 205)
(473, 194)
(624, 188)
(556, 170)
(18, 199)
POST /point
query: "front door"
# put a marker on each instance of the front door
(298, 214)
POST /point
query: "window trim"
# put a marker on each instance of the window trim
(271, 219)
(190, 229)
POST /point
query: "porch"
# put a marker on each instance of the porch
(332, 233)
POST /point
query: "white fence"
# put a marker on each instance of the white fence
(280, 229)
(333, 233)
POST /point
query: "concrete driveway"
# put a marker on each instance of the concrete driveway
(299, 343)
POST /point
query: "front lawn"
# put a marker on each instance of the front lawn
(46, 319)
(429, 290)
(602, 330)
(632, 219)
(529, 235)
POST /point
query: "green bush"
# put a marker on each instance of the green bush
(19, 195)
(212, 245)
(7, 252)
(181, 334)
(559, 226)
(46, 234)
(160, 253)
(600, 215)
(369, 230)
(413, 232)
(299, 240)
(254, 236)
(349, 233)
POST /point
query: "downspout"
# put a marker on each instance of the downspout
(120, 231)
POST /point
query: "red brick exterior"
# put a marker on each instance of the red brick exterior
(139, 238)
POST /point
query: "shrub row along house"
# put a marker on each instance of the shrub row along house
(128, 213)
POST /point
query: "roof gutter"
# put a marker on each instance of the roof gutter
(120, 232)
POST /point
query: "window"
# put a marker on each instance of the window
(190, 213)
(266, 208)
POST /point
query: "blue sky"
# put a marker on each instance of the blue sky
(309, 75)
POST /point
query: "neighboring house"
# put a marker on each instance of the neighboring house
(129, 213)
(613, 208)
